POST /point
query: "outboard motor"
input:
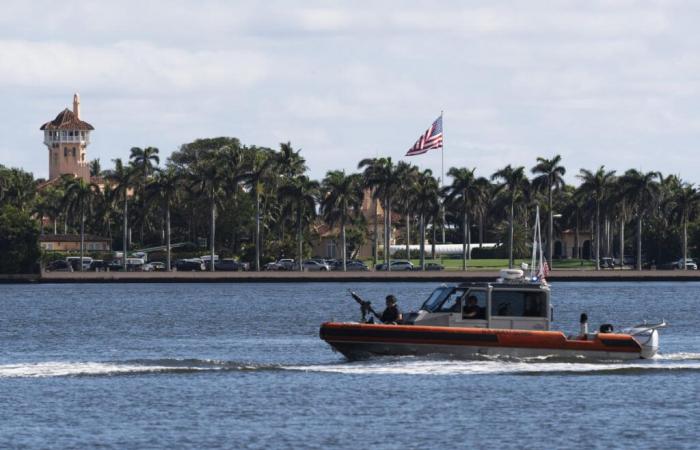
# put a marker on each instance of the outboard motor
(648, 337)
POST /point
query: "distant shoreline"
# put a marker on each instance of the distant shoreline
(354, 277)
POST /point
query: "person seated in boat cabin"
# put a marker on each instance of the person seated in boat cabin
(392, 314)
(472, 310)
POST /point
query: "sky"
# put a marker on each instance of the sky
(613, 83)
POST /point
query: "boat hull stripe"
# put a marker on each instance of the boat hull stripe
(408, 335)
(620, 343)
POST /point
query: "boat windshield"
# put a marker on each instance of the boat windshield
(435, 299)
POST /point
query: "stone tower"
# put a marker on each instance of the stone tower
(67, 138)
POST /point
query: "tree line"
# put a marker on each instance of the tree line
(259, 204)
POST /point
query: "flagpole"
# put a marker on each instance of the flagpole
(442, 170)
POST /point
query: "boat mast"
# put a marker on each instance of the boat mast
(536, 269)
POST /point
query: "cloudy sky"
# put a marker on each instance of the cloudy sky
(612, 83)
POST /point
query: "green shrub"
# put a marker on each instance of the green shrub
(19, 241)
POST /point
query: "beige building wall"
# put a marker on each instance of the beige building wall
(67, 138)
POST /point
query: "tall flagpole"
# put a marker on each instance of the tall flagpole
(442, 170)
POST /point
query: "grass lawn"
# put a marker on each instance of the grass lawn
(495, 264)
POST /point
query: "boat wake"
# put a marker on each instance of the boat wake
(131, 367)
(541, 365)
(674, 362)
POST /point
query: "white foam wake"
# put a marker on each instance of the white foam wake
(404, 365)
(681, 356)
(438, 367)
(62, 369)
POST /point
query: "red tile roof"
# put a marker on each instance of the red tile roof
(66, 120)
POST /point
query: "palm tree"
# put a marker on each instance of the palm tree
(596, 185)
(104, 208)
(512, 183)
(143, 160)
(383, 177)
(207, 178)
(123, 179)
(484, 196)
(95, 168)
(301, 193)
(427, 202)
(262, 166)
(341, 202)
(165, 185)
(290, 162)
(551, 178)
(643, 191)
(79, 198)
(404, 198)
(687, 204)
(466, 192)
(619, 203)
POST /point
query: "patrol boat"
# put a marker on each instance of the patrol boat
(510, 317)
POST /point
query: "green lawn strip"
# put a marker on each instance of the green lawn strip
(495, 264)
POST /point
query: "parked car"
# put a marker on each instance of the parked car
(272, 266)
(396, 266)
(228, 265)
(607, 263)
(351, 264)
(74, 261)
(313, 265)
(354, 266)
(282, 264)
(136, 265)
(115, 265)
(59, 266)
(189, 265)
(158, 266)
(98, 265)
(689, 264)
(433, 266)
(287, 264)
(206, 258)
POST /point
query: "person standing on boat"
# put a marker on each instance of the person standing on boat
(392, 314)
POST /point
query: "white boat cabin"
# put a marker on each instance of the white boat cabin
(504, 305)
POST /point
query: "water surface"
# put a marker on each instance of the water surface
(241, 366)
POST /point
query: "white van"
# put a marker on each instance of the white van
(74, 261)
(135, 264)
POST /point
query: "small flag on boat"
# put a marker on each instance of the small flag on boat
(431, 139)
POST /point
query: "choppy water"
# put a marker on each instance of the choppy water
(241, 366)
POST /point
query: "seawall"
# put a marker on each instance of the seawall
(355, 277)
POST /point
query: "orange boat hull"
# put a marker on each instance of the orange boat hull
(357, 340)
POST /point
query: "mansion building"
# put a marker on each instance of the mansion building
(67, 138)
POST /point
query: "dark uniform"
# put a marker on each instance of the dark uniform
(391, 314)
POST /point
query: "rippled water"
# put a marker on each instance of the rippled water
(241, 366)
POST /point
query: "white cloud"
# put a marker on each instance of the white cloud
(127, 66)
(600, 82)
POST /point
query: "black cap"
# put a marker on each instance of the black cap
(390, 298)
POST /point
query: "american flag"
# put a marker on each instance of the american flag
(429, 140)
